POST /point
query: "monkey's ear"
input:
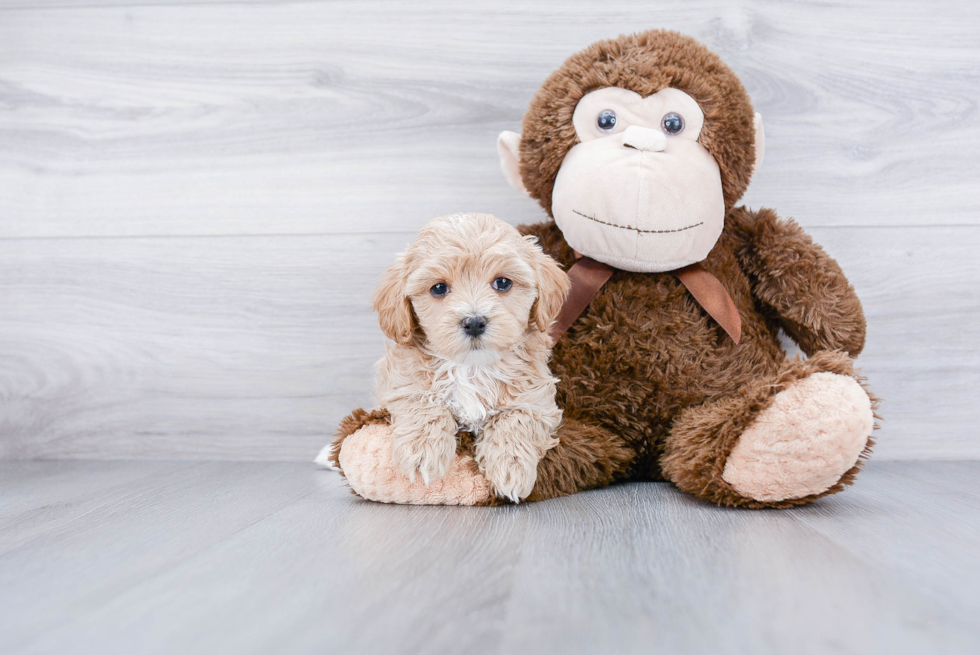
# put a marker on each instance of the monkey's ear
(393, 306)
(509, 150)
(760, 143)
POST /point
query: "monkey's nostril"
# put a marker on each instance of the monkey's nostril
(474, 325)
(644, 139)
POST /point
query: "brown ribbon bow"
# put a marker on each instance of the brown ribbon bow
(588, 276)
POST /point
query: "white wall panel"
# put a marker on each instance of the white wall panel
(197, 198)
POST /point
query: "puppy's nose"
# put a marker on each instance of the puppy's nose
(644, 138)
(474, 325)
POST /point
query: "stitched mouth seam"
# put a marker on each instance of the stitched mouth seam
(636, 229)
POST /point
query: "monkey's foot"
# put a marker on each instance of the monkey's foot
(804, 442)
(365, 459)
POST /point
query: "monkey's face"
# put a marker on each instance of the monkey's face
(639, 192)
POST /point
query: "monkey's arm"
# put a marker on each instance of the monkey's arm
(798, 283)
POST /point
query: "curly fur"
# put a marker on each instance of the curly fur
(652, 387)
(437, 379)
(646, 363)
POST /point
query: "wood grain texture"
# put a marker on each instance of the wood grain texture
(653, 570)
(101, 544)
(256, 347)
(325, 117)
(196, 198)
(228, 348)
(259, 558)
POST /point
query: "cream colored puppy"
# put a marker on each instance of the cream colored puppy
(468, 306)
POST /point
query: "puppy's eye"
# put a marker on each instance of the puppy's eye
(439, 289)
(606, 120)
(672, 123)
(501, 284)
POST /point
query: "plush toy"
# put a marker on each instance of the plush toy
(667, 350)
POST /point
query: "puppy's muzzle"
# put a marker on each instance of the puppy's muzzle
(474, 326)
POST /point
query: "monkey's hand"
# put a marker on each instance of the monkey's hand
(510, 448)
(799, 283)
(423, 440)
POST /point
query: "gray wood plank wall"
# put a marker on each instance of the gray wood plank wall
(197, 198)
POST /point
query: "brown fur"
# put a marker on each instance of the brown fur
(652, 387)
(778, 256)
(644, 361)
(586, 457)
(645, 63)
(702, 437)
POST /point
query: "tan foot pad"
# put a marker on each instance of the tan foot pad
(365, 458)
(811, 435)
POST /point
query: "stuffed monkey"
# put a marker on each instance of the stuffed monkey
(670, 367)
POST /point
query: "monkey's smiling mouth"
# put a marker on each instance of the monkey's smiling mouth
(636, 229)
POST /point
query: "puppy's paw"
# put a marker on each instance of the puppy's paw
(426, 449)
(510, 469)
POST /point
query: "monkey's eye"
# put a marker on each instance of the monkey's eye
(501, 284)
(672, 123)
(606, 120)
(439, 289)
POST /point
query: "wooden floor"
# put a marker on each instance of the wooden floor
(238, 557)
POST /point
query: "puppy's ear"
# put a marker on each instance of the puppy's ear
(553, 286)
(393, 305)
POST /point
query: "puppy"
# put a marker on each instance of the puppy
(468, 306)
